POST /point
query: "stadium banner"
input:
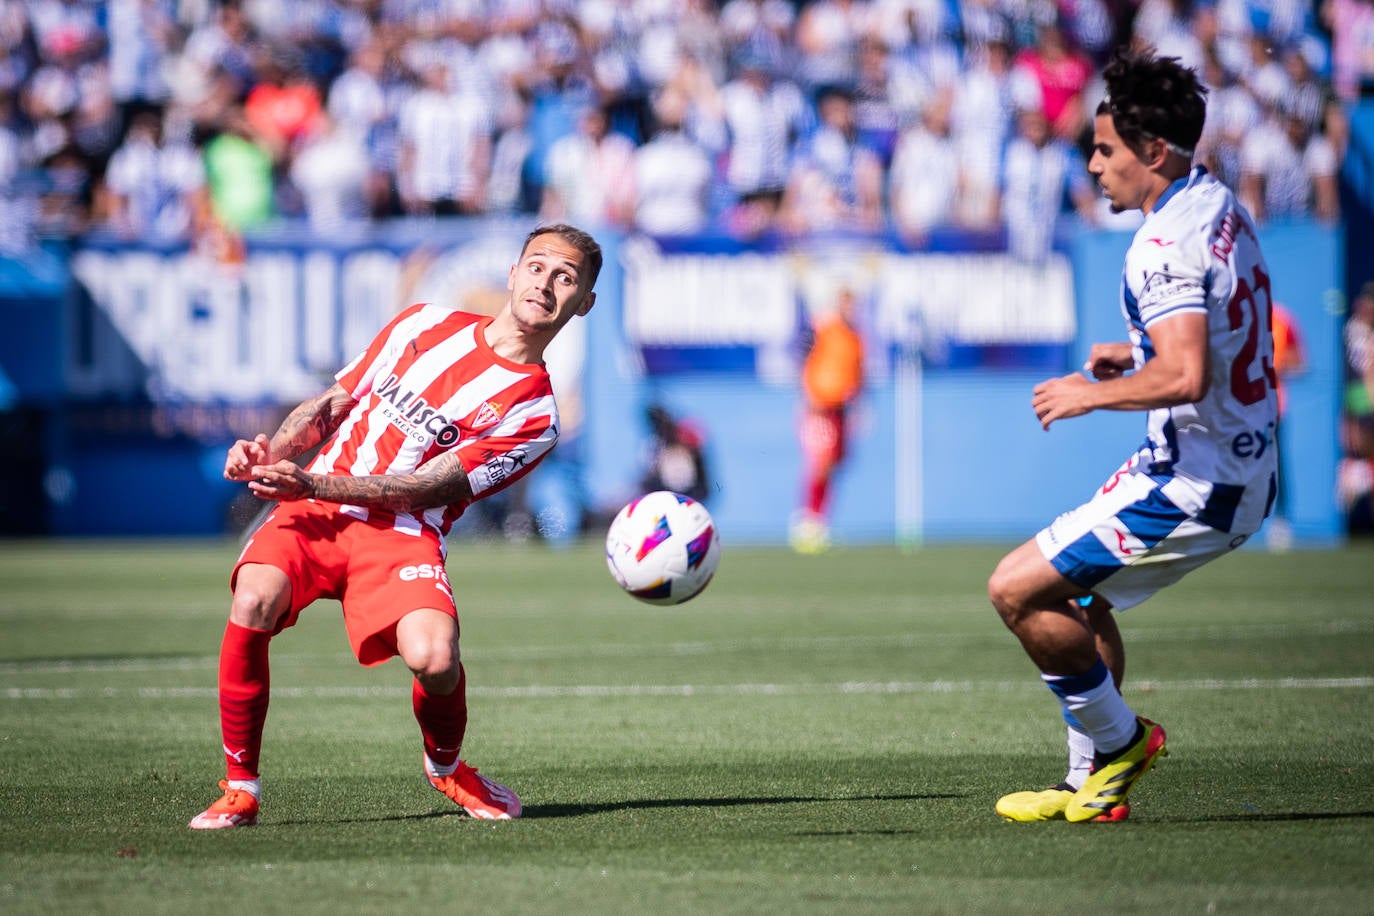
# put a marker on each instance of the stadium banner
(175, 326)
(709, 304)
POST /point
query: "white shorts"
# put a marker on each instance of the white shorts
(1130, 540)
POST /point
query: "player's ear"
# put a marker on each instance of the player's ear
(587, 303)
(1157, 152)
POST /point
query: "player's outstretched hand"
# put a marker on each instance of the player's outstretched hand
(1061, 398)
(283, 481)
(243, 455)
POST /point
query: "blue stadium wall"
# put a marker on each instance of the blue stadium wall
(126, 370)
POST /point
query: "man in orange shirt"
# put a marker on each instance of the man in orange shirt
(832, 377)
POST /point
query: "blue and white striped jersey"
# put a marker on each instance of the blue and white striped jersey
(1197, 251)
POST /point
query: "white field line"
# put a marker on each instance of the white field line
(722, 647)
(538, 691)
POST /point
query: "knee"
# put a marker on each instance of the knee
(436, 663)
(1003, 592)
(256, 608)
(427, 641)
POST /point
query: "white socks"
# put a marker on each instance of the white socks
(435, 770)
(1093, 701)
(1080, 757)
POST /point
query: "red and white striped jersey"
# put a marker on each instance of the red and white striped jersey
(427, 384)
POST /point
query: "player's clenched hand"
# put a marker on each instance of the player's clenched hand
(243, 455)
(283, 481)
(1109, 360)
(1061, 398)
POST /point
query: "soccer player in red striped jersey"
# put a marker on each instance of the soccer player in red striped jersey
(441, 409)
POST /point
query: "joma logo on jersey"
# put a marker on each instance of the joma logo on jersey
(413, 413)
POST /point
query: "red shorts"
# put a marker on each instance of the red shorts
(379, 574)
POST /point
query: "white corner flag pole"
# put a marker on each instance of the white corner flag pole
(908, 401)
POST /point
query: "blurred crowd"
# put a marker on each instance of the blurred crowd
(195, 119)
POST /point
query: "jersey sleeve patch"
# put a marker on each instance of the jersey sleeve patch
(501, 469)
(1164, 290)
(1167, 293)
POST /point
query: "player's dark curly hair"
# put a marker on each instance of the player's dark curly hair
(1151, 97)
(577, 238)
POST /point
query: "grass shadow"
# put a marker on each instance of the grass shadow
(549, 812)
(381, 819)
(1285, 816)
(571, 810)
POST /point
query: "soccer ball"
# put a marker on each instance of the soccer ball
(662, 548)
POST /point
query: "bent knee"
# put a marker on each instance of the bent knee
(1003, 591)
(427, 641)
(432, 660)
(436, 662)
(1022, 583)
(257, 608)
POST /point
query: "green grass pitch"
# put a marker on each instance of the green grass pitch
(811, 735)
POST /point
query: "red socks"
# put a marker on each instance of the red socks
(244, 690)
(244, 684)
(443, 720)
(817, 490)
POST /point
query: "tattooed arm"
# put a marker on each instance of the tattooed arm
(439, 482)
(313, 421)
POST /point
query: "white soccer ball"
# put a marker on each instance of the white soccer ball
(662, 548)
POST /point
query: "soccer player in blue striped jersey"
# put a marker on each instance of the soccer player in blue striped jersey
(1195, 295)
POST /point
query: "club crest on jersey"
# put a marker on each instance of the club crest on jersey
(489, 414)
